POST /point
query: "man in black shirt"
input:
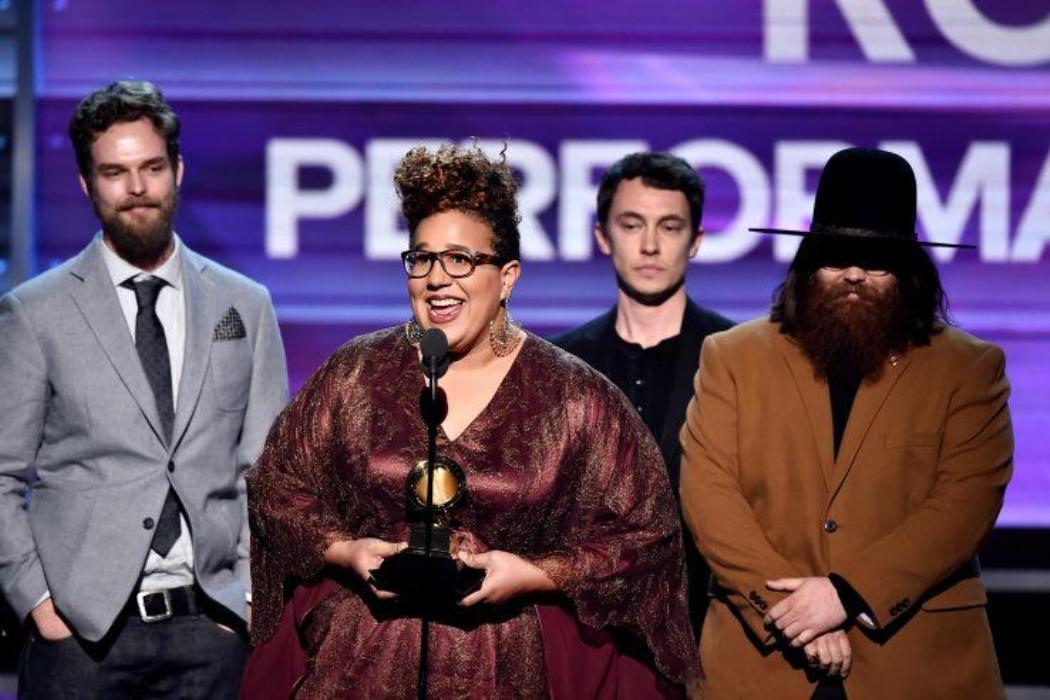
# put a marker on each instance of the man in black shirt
(649, 212)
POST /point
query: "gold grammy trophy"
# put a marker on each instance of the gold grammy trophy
(427, 576)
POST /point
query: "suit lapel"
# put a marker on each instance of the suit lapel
(815, 398)
(866, 406)
(202, 313)
(598, 336)
(97, 300)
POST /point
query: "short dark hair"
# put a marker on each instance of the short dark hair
(455, 178)
(657, 169)
(121, 102)
(925, 301)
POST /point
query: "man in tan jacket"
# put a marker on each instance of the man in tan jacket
(842, 460)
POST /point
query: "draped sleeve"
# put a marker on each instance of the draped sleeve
(293, 501)
(561, 471)
(620, 556)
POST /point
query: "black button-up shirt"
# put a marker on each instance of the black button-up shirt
(646, 375)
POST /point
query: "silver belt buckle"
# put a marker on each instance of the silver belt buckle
(140, 599)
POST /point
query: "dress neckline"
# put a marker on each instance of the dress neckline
(497, 397)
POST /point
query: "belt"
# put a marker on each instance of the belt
(155, 606)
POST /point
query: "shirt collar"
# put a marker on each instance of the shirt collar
(667, 346)
(121, 270)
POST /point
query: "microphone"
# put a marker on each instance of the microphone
(434, 348)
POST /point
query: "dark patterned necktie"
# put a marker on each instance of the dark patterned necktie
(152, 347)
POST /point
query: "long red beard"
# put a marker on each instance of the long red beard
(851, 337)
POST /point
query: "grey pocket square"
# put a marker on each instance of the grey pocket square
(230, 327)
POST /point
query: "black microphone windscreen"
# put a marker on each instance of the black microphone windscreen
(434, 344)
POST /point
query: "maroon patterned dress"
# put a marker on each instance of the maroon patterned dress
(559, 471)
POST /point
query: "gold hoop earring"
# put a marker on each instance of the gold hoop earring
(503, 333)
(414, 332)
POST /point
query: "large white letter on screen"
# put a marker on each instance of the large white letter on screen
(576, 201)
(967, 27)
(385, 238)
(983, 178)
(787, 31)
(792, 161)
(286, 203)
(734, 240)
(536, 192)
(1033, 231)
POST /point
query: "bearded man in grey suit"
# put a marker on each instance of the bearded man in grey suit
(139, 382)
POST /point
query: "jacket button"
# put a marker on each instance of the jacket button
(831, 526)
(171, 466)
(148, 523)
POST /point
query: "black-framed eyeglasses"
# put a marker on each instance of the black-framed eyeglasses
(455, 263)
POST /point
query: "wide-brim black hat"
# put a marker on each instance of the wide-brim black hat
(865, 194)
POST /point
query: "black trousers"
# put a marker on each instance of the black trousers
(186, 656)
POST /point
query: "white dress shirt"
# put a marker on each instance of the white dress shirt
(176, 569)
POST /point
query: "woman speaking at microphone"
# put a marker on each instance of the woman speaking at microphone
(566, 507)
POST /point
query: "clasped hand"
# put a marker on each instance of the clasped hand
(810, 618)
(361, 556)
(507, 575)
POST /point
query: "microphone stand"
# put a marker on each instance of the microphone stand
(428, 522)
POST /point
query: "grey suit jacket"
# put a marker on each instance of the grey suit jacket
(83, 467)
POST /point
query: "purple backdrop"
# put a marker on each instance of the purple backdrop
(292, 120)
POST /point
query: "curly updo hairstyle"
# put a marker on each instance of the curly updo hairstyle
(463, 179)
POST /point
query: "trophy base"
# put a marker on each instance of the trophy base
(435, 580)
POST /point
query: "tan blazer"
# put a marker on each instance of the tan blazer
(918, 482)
